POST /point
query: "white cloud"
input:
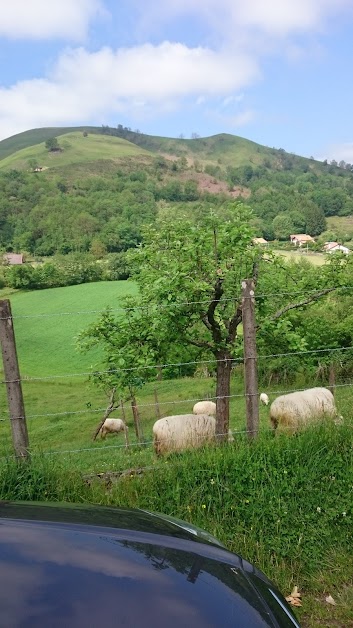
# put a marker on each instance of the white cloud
(46, 19)
(232, 99)
(84, 86)
(274, 17)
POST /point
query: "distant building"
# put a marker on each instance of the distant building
(333, 247)
(259, 241)
(300, 239)
(13, 259)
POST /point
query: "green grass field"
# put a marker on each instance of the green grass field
(47, 322)
(317, 259)
(342, 225)
(76, 149)
(284, 503)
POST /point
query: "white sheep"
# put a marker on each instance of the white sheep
(264, 399)
(205, 407)
(114, 426)
(184, 431)
(300, 408)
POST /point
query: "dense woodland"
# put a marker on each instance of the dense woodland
(101, 209)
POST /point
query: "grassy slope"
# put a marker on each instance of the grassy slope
(76, 149)
(45, 344)
(223, 149)
(36, 136)
(262, 501)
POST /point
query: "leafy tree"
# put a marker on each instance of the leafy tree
(315, 220)
(33, 164)
(283, 226)
(189, 275)
(52, 144)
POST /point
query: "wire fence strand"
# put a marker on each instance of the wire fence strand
(178, 304)
(234, 361)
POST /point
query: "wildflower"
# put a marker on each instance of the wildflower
(344, 514)
(247, 501)
(318, 509)
(285, 471)
(212, 481)
(203, 506)
(188, 508)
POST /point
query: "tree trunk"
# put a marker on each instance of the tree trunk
(135, 412)
(222, 394)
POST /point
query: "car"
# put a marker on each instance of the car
(86, 566)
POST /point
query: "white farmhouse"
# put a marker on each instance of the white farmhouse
(333, 247)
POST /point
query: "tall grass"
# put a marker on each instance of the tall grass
(284, 503)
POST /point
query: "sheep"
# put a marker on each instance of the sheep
(205, 407)
(300, 408)
(114, 426)
(184, 431)
(264, 399)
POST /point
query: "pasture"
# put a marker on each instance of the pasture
(47, 323)
(317, 259)
(284, 503)
(76, 149)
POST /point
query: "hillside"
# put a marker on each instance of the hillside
(75, 149)
(97, 192)
(222, 149)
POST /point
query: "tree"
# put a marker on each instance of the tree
(283, 226)
(33, 164)
(52, 144)
(315, 220)
(189, 275)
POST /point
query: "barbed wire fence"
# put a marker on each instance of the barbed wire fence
(13, 381)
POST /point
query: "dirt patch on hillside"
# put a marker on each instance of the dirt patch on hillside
(207, 183)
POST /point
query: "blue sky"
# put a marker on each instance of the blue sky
(278, 72)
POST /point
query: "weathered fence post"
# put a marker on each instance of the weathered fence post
(13, 382)
(137, 423)
(156, 403)
(250, 358)
(123, 415)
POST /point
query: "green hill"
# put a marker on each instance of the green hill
(97, 192)
(75, 149)
(36, 136)
(218, 150)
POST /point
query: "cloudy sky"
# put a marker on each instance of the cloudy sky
(278, 72)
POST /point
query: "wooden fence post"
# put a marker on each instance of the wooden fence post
(13, 382)
(137, 423)
(127, 443)
(158, 412)
(250, 358)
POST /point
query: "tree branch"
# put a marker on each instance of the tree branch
(234, 322)
(209, 319)
(293, 306)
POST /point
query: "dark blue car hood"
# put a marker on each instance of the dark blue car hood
(91, 566)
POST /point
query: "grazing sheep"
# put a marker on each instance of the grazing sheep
(114, 426)
(300, 408)
(184, 431)
(264, 399)
(205, 407)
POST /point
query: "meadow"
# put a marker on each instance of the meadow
(76, 149)
(284, 503)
